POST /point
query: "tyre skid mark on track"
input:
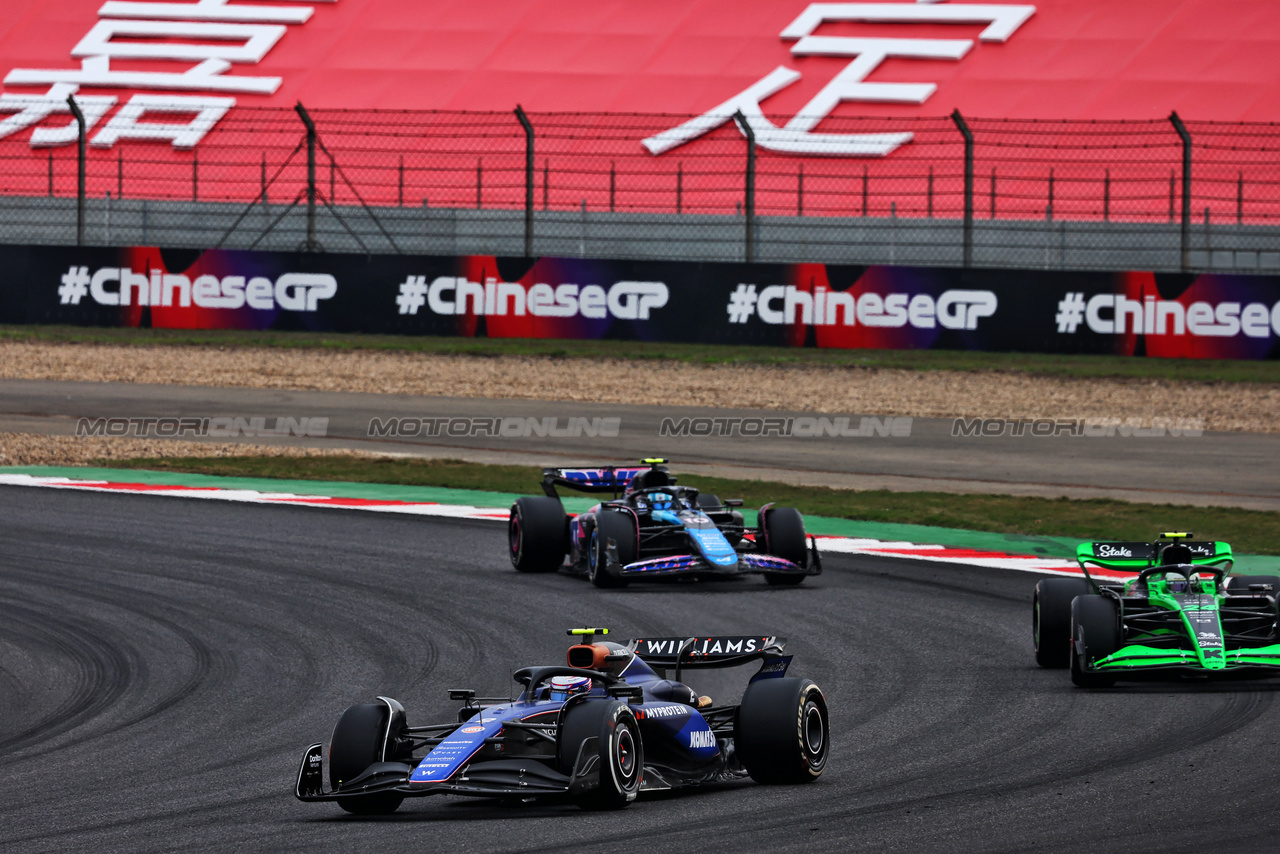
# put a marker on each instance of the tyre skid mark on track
(844, 545)
(107, 684)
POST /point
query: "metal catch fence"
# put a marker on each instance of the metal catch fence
(1162, 194)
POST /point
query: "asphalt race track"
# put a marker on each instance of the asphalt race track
(164, 662)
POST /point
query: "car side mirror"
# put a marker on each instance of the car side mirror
(733, 502)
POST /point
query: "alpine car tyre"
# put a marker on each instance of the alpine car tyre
(617, 744)
(538, 534)
(781, 532)
(782, 734)
(355, 745)
(621, 528)
(1051, 619)
(1095, 632)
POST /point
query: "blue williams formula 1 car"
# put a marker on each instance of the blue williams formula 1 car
(652, 528)
(596, 731)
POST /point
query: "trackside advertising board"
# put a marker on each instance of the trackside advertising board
(1131, 313)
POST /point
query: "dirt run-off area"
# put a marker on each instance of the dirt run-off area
(1251, 407)
(29, 449)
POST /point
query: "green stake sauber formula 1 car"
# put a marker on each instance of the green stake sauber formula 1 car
(1183, 614)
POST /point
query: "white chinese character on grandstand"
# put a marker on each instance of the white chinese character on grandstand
(213, 35)
(797, 137)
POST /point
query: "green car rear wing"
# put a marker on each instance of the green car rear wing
(1136, 557)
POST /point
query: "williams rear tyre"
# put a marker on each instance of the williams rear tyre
(537, 534)
(1095, 632)
(613, 726)
(356, 744)
(621, 528)
(781, 533)
(1051, 619)
(782, 734)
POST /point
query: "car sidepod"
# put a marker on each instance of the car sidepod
(677, 737)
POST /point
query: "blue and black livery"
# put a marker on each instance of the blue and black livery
(597, 730)
(654, 528)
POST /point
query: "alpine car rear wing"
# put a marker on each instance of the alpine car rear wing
(613, 479)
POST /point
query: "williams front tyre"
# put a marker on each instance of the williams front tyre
(609, 731)
(355, 745)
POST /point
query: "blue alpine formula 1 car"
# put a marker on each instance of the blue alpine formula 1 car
(651, 528)
(596, 731)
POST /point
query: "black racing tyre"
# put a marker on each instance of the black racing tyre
(1051, 619)
(356, 744)
(780, 532)
(621, 528)
(1095, 626)
(1240, 583)
(618, 744)
(709, 501)
(537, 534)
(782, 733)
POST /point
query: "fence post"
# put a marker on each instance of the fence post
(528, 181)
(120, 174)
(680, 187)
(195, 176)
(80, 167)
(800, 192)
(1239, 198)
(1106, 196)
(311, 244)
(963, 127)
(750, 200)
(1185, 136)
(1048, 211)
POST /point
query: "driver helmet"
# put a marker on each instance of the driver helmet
(660, 500)
(564, 687)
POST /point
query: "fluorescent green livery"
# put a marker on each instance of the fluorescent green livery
(1182, 613)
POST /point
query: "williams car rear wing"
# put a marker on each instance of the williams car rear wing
(612, 479)
(722, 651)
(702, 652)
